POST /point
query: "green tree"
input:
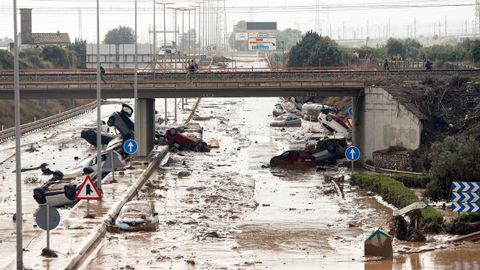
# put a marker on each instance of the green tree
(290, 37)
(241, 45)
(475, 50)
(79, 50)
(314, 51)
(395, 47)
(6, 59)
(120, 35)
(32, 57)
(59, 57)
(453, 159)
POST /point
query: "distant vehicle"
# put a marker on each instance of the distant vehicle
(138, 216)
(183, 142)
(294, 157)
(122, 122)
(167, 49)
(291, 121)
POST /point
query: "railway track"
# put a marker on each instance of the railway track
(48, 121)
(6, 77)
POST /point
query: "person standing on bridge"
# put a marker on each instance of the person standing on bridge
(102, 74)
(385, 65)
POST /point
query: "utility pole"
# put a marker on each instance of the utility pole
(183, 31)
(18, 165)
(415, 27)
(477, 16)
(446, 26)
(135, 74)
(189, 32)
(154, 57)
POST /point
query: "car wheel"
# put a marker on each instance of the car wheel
(328, 118)
(172, 132)
(111, 121)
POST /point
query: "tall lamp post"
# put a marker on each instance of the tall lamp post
(18, 190)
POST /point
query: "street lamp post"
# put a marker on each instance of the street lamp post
(135, 73)
(99, 97)
(154, 58)
(18, 195)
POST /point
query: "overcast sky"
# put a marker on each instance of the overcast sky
(66, 15)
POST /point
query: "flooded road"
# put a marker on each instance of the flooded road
(230, 212)
(227, 210)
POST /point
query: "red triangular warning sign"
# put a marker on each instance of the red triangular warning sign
(88, 190)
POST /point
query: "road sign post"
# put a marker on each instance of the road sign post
(130, 147)
(465, 197)
(352, 154)
(47, 218)
(88, 191)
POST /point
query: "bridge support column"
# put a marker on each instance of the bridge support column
(358, 118)
(145, 126)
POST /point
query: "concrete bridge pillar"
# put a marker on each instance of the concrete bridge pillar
(380, 122)
(358, 125)
(145, 126)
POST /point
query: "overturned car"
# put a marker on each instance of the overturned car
(180, 141)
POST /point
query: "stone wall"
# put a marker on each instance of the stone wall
(399, 160)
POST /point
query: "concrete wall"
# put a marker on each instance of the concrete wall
(380, 122)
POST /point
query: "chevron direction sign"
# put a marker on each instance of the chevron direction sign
(465, 207)
(466, 197)
(471, 187)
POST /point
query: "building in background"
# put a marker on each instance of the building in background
(39, 40)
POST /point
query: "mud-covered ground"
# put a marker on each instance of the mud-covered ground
(226, 210)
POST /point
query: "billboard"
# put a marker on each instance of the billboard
(262, 26)
(241, 36)
(262, 44)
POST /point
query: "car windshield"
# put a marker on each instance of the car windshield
(291, 117)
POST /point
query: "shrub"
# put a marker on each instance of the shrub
(395, 192)
(413, 181)
(453, 159)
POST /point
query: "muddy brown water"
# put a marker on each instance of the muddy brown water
(231, 213)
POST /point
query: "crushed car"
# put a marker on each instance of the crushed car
(122, 122)
(290, 121)
(180, 141)
(138, 216)
(310, 111)
(294, 157)
(59, 192)
(333, 123)
(89, 133)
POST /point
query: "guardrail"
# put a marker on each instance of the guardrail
(101, 229)
(47, 121)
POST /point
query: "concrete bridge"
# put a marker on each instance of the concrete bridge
(379, 121)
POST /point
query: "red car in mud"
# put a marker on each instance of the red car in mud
(182, 142)
(294, 157)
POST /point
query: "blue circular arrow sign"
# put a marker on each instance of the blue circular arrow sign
(352, 153)
(130, 146)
